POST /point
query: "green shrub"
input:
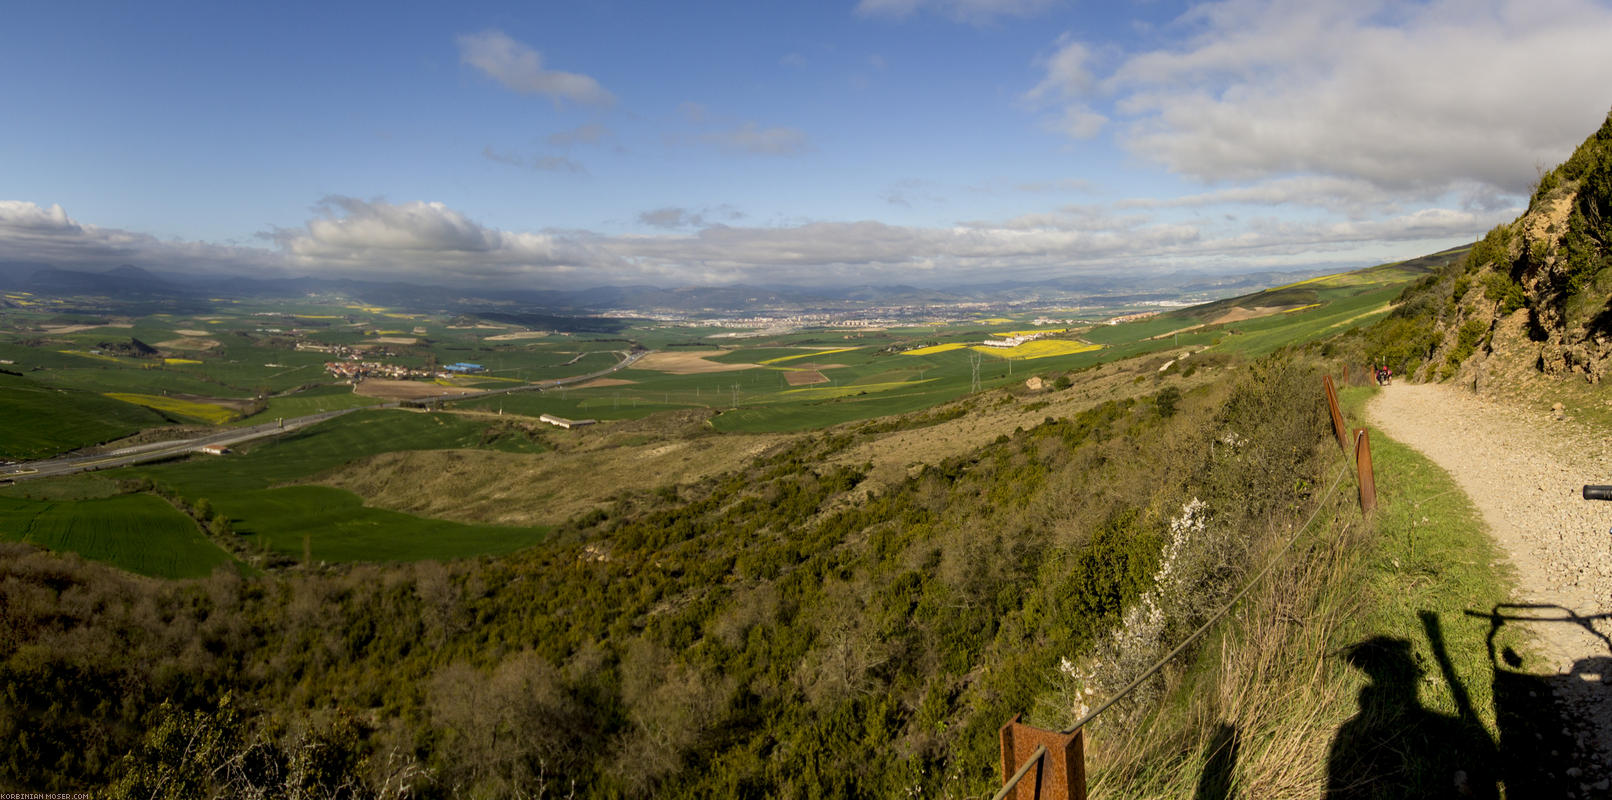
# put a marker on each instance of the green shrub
(1501, 288)
(1466, 341)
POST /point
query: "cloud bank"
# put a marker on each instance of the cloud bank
(1417, 97)
(430, 243)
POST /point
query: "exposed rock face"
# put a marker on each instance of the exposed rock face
(1565, 255)
(1555, 261)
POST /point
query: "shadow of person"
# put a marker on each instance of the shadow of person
(1216, 781)
(1396, 748)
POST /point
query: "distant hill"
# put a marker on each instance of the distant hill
(1303, 294)
(124, 281)
(136, 283)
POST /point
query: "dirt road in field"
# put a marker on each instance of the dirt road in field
(1523, 468)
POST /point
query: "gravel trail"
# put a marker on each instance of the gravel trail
(1523, 469)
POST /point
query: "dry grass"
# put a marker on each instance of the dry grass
(1272, 677)
(804, 377)
(188, 343)
(591, 466)
(1238, 314)
(1277, 676)
(687, 362)
(403, 390)
(64, 329)
(600, 383)
(898, 454)
(513, 336)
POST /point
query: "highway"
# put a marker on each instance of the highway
(157, 451)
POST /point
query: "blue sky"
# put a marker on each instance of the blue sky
(880, 141)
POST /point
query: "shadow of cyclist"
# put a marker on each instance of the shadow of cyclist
(1397, 748)
(1216, 782)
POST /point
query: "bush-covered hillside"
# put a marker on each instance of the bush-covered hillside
(776, 631)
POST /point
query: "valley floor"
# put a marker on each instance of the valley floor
(1523, 468)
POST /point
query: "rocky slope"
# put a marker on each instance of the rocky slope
(1537, 290)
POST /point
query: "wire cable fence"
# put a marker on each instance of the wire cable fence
(1068, 780)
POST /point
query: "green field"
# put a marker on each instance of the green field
(840, 377)
(247, 489)
(140, 533)
(311, 401)
(340, 528)
(38, 421)
(310, 451)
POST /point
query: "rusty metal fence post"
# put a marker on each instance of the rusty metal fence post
(1060, 769)
(1337, 413)
(1368, 480)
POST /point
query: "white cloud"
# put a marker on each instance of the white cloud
(520, 69)
(592, 133)
(30, 233)
(558, 164)
(1353, 197)
(752, 138)
(19, 218)
(973, 11)
(1069, 73)
(428, 243)
(502, 157)
(1069, 78)
(671, 217)
(1060, 185)
(1079, 122)
(910, 191)
(692, 112)
(1421, 97)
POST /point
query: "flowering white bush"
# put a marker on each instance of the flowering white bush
(1139, 638)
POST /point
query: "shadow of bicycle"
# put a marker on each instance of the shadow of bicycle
(1548, 722)
(1540, 745)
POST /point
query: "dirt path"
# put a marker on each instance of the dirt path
(1523, 469)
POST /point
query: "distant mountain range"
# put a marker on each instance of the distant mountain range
(133, 283)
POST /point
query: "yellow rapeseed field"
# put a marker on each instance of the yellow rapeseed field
(809, 354)
(1302, 308)
(1316, 279)
(1040, 348)
(87, 354)
(206, 412)
(827, 392)
(180, 361)
(937, 348)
